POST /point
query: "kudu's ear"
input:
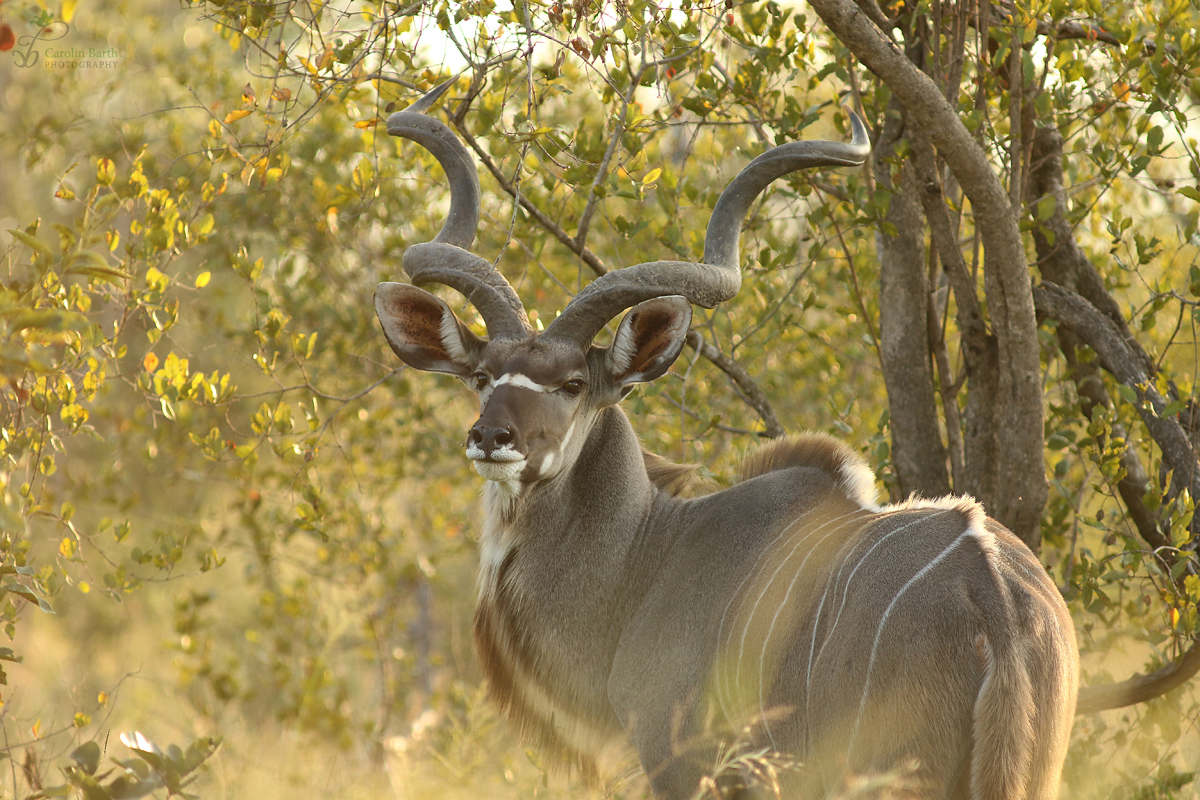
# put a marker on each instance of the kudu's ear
(424, 332)
(649, 339)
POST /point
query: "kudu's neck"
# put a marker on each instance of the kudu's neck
(588, 524)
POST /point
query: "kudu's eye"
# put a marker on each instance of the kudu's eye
(480, 381)
(573, 386)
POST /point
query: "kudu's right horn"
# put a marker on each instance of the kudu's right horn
(447, 259)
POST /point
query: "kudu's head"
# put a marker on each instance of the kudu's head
(540, 393)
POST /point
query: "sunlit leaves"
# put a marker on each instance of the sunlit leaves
(213, 334)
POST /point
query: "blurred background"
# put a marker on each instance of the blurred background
(234, 523)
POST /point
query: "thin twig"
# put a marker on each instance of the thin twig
(551, 227)
(754, 395)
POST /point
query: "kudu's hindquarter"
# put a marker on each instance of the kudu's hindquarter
(860, 640)
(788, 611)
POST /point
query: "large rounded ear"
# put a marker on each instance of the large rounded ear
(424, 332)
(649, 339)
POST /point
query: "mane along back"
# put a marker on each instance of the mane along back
(819, 451)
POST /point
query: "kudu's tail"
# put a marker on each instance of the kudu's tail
(1022, 720)
(1004, 736)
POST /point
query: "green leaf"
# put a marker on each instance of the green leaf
(87, 756)
(30, 241)
(1045, 207)
(1190, 192)
(96, 266)
(48, 319)
(1172, 409)
(1127, 393)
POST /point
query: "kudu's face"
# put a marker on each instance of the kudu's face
(538, 395)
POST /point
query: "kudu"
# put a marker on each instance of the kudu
(855, 637)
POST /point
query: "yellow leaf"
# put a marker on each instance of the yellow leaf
(651, 176)
(234, 116)
(106, 172)
(82, 720)
(281, 93)
(1121, 91)
(85, 587)
(366, 123)
(150, 362)
(102, 698)
(1174, 617)
(326, 58)
(202, 279)
(68, 10)
(66, 548)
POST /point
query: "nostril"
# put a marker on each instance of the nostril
(503, 436)
(475, 437)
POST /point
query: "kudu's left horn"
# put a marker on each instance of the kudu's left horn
(719, 276)
(447, 259)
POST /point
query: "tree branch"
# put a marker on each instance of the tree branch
(593, 197)
(904, 343)
(754, 395)
(1127, 366)
(551, 227)
(1061, 260)
(1140, 688)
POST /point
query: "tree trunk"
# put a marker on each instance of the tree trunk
(918, 455)
(1021, 490)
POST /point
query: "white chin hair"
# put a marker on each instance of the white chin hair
(500, 470)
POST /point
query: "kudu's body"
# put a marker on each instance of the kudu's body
(855, 638)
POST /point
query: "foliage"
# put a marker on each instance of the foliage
(152, 769)
(205, 436)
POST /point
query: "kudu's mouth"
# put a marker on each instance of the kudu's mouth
(501, 463)
(499, 470)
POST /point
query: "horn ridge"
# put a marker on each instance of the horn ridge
(475, 279)
(719, 277)
(447, 259)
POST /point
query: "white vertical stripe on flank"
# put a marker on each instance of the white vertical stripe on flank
(816, 619)
(753, 572)
(862, 705)
(737, 592)
(767, 586)
(837, 523)
(762, 655)
(846, 594)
